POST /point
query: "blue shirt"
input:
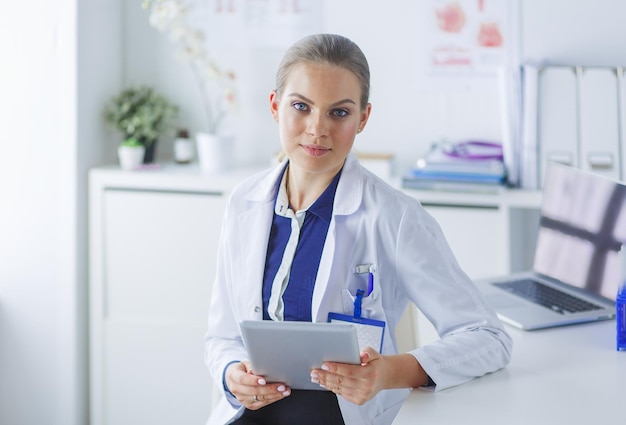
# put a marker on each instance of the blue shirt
(297, 296)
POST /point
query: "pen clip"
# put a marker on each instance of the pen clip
(364, 268)
(369, 269)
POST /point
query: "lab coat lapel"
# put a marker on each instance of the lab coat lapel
(323, 277)
(254, 245)
(330, 278)
(254, 229)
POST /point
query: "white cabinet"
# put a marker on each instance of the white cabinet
(160, 250)
(153, 246)
(481, 250)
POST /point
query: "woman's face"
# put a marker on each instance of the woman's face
(318, 116)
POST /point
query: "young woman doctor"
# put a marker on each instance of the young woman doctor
(291, 239)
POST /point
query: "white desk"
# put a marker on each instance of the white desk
(570, 375)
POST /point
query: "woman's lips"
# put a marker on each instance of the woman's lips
(315, 150)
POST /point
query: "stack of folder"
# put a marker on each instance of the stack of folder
(465, 166)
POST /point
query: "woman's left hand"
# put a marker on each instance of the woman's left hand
(355, 383)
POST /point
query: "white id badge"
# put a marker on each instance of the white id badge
(370, 332)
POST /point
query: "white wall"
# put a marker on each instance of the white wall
(404, 120)
(585, 32)
(58, 60)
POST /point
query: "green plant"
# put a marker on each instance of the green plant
(131, 142)
(141, 113)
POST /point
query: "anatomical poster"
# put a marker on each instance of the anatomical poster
(471, 38)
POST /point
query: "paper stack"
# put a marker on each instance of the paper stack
(471, 166)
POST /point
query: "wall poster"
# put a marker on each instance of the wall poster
(469, 40)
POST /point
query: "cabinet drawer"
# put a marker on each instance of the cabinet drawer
(159, 254)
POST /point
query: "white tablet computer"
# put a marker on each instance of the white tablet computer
(287, 351)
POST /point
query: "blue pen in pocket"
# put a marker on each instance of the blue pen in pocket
(369, 269)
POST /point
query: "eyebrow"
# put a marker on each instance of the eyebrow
(306, 99)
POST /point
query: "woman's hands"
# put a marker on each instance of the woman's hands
(360, 383)
(355, 383)
(252, 390)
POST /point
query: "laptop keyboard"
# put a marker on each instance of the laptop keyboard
(547, 296)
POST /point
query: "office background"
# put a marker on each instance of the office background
(63, 59)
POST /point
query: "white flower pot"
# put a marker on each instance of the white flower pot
(131, 157)
(215, 152)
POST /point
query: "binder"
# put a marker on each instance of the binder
(575, 115)
(527, 172)
(599, 121)
(510, 107)
(558, 118)
(621, 84)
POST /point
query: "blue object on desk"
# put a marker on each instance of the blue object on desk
(620, 318)
(474, 150)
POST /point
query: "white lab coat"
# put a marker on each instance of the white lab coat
(372, 223)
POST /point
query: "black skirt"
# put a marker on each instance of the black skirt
(302, 407)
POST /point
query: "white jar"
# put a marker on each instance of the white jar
(183, 148)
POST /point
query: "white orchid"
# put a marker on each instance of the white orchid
(216, 86)
(164, 13)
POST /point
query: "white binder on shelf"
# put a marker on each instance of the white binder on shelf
(557, 118)
(528, 151)
(510, 107)
(621, 86)
(599, 121)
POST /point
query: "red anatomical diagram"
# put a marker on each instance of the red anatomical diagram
(450, 18)
(489, 35)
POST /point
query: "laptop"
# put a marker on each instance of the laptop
(578, 263)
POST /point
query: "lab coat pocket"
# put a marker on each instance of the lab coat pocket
(371, 306)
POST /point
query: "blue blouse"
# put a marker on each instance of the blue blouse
(298, 268)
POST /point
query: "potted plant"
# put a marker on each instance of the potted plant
(140, 113)
(131, 153)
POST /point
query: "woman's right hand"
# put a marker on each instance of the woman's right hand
(252, 390)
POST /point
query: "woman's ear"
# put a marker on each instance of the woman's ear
(365, 115)
(274, 104)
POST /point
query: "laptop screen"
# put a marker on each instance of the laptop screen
(582, 227)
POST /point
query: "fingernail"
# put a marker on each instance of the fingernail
(315, 378)
(325, 367)
(261, 381)
(286, 393)
(281, 388)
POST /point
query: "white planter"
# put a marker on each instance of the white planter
(215, 152)
(131, 157)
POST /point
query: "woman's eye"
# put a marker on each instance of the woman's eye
(339, 113)
(300, 106)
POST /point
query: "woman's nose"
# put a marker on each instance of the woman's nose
(316, 125)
